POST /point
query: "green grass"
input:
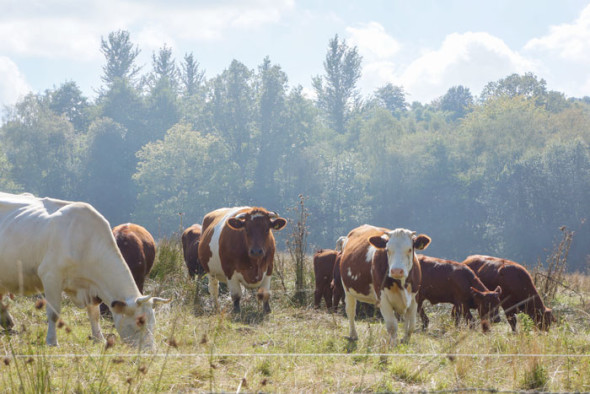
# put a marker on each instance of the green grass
(293, 349)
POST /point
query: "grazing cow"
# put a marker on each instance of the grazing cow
(237, 247)
(323, 267)
(53, 246)
(138, 249)
(379, 266)
(452, 282)
(518, 291)
(190, 247)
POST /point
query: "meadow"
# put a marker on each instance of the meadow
(295, 348)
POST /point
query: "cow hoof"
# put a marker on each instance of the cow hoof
(266, 308)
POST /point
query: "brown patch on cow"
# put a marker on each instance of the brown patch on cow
(519, 293)
(140, 320)
(110, 342)
(118, 306)
(40, 303)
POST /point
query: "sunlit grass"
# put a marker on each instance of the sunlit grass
(292, 349)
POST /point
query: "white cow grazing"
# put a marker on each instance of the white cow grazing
(50, 246)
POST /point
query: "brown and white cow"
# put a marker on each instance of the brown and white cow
(52, 246)
(519, 293)
(447, 281)
(324, 261)
(138, 249)
(190, 248)
(379, 266)
(237, 247)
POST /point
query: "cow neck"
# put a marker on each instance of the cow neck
(118, 283)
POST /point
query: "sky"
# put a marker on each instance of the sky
(424, 46)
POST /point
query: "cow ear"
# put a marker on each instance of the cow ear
(118, 306)
(421, 241)
(498, 290)
(235, 223)
(378, 241)
(278, 224)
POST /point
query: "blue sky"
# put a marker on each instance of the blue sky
(424, 46)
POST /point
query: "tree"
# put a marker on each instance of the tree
(107, 171)
(457, 101)
(68, 100)
(191, 77)
(526, 85)
(392, 98)
(120, 54)
(336, 90)
(185, 172)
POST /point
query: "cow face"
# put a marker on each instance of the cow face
(488, 303)
(256, 225)
(135, 320)
(400, 245)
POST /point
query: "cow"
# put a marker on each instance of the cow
(379, 266)
(138, 249)
(54, 246)
(237, 247)
(190, 248)
(518, 291)
(447, 281)
(323, 267)
(336, 284)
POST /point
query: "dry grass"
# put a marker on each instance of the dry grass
(294, 349)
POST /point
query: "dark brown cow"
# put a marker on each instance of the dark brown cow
(190, 247)
(237, 247)
(324, 261)
(518, 291)
(138, 249)
(447, 281)
(379, 266)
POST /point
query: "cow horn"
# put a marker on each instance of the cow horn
(160, 300)
(142, 299)
(273, 215)
(241, 216)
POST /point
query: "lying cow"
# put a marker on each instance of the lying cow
(237, 247)
(53, 246)
(190, 248)
(379, 266)
(518, 291)
(323, 267)
(447, 281)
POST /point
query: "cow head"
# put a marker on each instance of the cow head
(544, 318)
(256, 225)
(135, 319)
(400, 245)
(488, 303)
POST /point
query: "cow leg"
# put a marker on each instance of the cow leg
(94, 315)
(389, 319)
(235, 289)
(458, 314)
(410, 319)
(263, 294)
(317, 298)
(53, 308)
(511, 317)
(351, 313)
(423, 316)
(214, 291)
(468, 316)
(328, 296)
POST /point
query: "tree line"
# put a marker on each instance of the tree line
(497, 173)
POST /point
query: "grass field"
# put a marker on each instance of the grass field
(294, 349)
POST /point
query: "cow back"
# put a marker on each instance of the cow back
(138, 249)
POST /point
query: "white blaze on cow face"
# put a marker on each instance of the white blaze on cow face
(400, 244)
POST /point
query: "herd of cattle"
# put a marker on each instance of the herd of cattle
(52, 246)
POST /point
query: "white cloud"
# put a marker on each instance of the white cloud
(13, 85)
(468, 59)
(568, 41)
(70, 30)
(373, 42)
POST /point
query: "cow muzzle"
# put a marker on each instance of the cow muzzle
(256, 253)
(396, 273)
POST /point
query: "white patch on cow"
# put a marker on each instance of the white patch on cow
(257, 215)
(399, 300)
(240, 278)
(370, 254)
(400, 242)
(370, 298)
(349, 272)
(341, 243)
(214, 263)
